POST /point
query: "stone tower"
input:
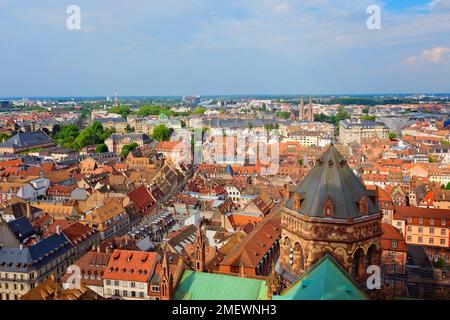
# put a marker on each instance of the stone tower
(301, 110)
(331, 211)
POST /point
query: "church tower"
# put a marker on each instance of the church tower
(330, 212)
(199, 253)
(301, 110)
(166, 281)
(310, 115)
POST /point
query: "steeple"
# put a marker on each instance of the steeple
(301, 111)
(166, 281)
(310, 110)
(199, 254)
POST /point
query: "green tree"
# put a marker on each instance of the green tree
(161, 133)
(3, 137)
(101, 148)
(124, 111)
(94, 134)
(341, 115)
(392, 135)
(66, 135)
(127, 148)
(284, 114)
(199, 110)
(368, 118)
(300, 161)
(129, 129)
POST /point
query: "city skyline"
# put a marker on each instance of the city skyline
(212, 48)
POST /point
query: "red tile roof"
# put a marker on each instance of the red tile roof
(142, 199)
(391, 233)
(131, 265)
(416, 213)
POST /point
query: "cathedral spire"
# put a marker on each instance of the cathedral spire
(166, 281)
(199, 254)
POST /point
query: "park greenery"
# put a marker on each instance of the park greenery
(340, 115)
(70, 136)
(124, 111)
(284, 114)
(368, 118)
(156, 110)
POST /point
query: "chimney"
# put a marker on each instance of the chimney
(285, 192)
(21, 247)
(28, 211)
(58, 231)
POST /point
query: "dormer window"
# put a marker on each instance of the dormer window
(328, 207)
(297, 201)
(363, 205)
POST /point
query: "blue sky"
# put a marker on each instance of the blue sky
(180, 47)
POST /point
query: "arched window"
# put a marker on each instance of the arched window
(299, 260)
(372, 255)
(358, 265)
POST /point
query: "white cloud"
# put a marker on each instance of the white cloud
(436, 54)
(433, 55)
(412, 60)
(439, 4)
(281, 7)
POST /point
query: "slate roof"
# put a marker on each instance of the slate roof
(25, 139)
(35, 256)
(106, 120)
(21, 228)
(325, 280)
(214, 286)
(332, 178)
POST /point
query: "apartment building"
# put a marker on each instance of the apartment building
(110, 220)
(428, 227)
(357, 131)
(24, 268)
(128, 273)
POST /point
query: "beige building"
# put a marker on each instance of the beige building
(117, 141)
(350, 131)
(426, 227)
(24, 268)
(110, 220)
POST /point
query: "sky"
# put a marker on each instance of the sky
(219, 47)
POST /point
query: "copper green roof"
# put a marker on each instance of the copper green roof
(326, 280)
(214, 286)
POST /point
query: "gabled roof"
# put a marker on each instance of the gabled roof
(142, 198)
(214, 286)
(325, 280)
(331, 178)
